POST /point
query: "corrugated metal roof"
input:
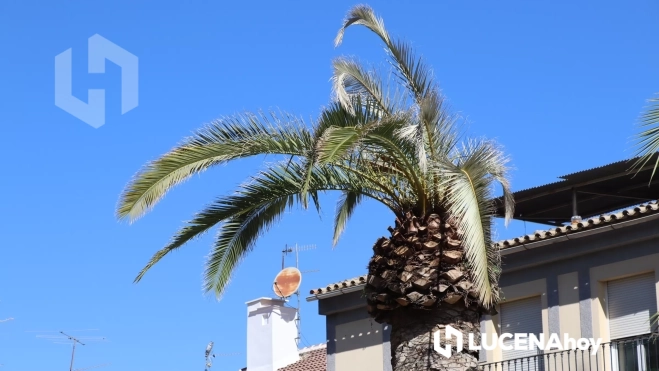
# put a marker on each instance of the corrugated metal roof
(589, 224)
(622, 165)
(598, 191)
(592, 171)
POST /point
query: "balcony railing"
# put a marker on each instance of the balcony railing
(633, 354)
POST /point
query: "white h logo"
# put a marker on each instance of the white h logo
(93, 112)
(448, 333)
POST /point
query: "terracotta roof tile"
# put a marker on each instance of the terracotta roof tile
(311, 359)
(588, 224)
(352, 282)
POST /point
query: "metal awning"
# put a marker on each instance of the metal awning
(586, 193)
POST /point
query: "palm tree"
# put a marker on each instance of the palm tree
(401, 149)
(647, 141)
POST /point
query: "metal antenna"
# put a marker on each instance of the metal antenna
(73, 352)
(297, 251)
(210, 355)
(75, 340)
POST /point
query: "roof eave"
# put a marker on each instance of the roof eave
(575, 235)
(336, 292)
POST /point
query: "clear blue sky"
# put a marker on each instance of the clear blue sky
(558, 83)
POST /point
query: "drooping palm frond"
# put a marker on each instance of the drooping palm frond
(647, 141)
(224, 140)
(352, 79)
(247, 214)
(468, 184)
(412, 71)
(346, 206)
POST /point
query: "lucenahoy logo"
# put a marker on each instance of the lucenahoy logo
(520, 341)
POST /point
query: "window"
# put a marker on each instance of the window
(630, 303)
(522, 316)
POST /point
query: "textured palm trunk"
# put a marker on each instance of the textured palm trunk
(418, 283)
(412, 347)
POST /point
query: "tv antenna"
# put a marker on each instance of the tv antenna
(210, 355)
(289, 279)
(64, 338)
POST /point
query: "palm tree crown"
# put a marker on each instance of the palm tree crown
(647, 141)
(392, 141)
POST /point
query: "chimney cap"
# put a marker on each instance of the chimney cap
(264, 298)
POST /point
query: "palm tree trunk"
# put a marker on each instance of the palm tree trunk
(419, 283)
(412, 347)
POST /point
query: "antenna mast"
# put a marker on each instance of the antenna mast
(73, 352)
(209, 355)
(296, 250)
(74, 340)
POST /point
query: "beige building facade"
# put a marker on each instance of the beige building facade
(595, 279)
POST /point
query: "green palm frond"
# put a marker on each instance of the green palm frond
(223, 140)
(412, 70)
(334, 116)
(236, 239)
(245, 215)
(351, 79)
(468, 183)
(416, 76)
(647, 141)
(336, 142)
(346, 206)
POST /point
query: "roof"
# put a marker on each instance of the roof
(312, 358)
(597, 191)
(340, 286)
(589, 224)
(592, 224)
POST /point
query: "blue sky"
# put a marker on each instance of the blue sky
(558, 83)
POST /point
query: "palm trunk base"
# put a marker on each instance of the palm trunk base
(412, 347)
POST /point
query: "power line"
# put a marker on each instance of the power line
(306, 340)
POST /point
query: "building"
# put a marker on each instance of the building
(596, 277)
(271, 339)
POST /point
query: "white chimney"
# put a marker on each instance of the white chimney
(271, 335)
